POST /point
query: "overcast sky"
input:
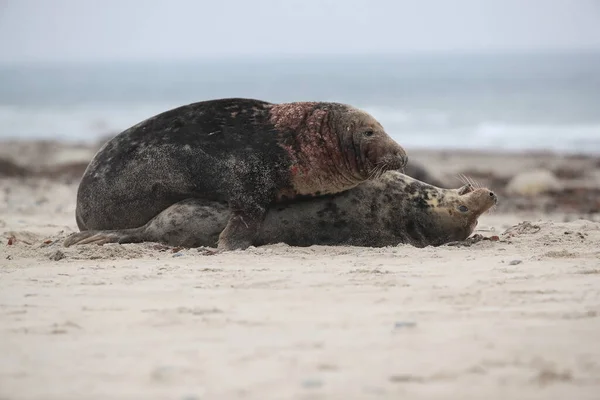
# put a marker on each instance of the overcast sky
(88, 30)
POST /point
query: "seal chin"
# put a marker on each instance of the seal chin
(473, 226)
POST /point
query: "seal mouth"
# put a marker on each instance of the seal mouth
(396, 162)
(378, 169)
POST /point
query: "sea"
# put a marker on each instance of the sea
(522, 102)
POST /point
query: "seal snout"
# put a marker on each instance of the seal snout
(494, 197)
(397, 159)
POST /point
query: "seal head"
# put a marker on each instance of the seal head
(333, 147)
(446, 215)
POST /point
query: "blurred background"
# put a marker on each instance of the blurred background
(471, 74)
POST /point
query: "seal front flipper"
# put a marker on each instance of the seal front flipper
(241, 230)
(252, 189)
(247, 212)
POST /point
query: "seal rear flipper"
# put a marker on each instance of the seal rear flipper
(99, 237)
(188, 223)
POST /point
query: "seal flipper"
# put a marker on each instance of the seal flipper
(253, 189)
(241, 230)
(135, 235)
(189, 223)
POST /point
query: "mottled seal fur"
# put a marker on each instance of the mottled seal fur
(249, 153)
(390, 210)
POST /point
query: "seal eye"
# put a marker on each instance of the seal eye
(463, 209)
(368, 133)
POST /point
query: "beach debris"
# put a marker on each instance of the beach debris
(312, 383)
(57, 255)
(47, 243)
(476, 238)
(206, 251)
(404, 324)
(159, 247)
(403, 378)
(191, 397)
(164, 373)
(21, 237)
(524, 227)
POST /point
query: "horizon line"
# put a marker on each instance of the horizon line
(217, 57)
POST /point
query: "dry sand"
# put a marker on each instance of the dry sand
(516, 318)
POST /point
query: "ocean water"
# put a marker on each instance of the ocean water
(501, 102)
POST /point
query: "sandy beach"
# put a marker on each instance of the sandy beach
(516, 316)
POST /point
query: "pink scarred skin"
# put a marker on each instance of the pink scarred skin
(321, 160)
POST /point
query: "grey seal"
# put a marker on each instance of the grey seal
(387, 211)
(249, 153)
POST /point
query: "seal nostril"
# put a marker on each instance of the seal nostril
(492, 194)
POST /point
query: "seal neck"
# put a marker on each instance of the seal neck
(319, 162)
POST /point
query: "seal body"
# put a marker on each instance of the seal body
(387, 211)
(245, 152)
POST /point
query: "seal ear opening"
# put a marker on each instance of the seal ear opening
(468, 188)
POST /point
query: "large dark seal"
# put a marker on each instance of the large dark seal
(388, 211)
(249, 153)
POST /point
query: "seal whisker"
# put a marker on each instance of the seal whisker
(374, 171)
(382, 168)
(463, 178)
(378, 170)
(472, 182)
